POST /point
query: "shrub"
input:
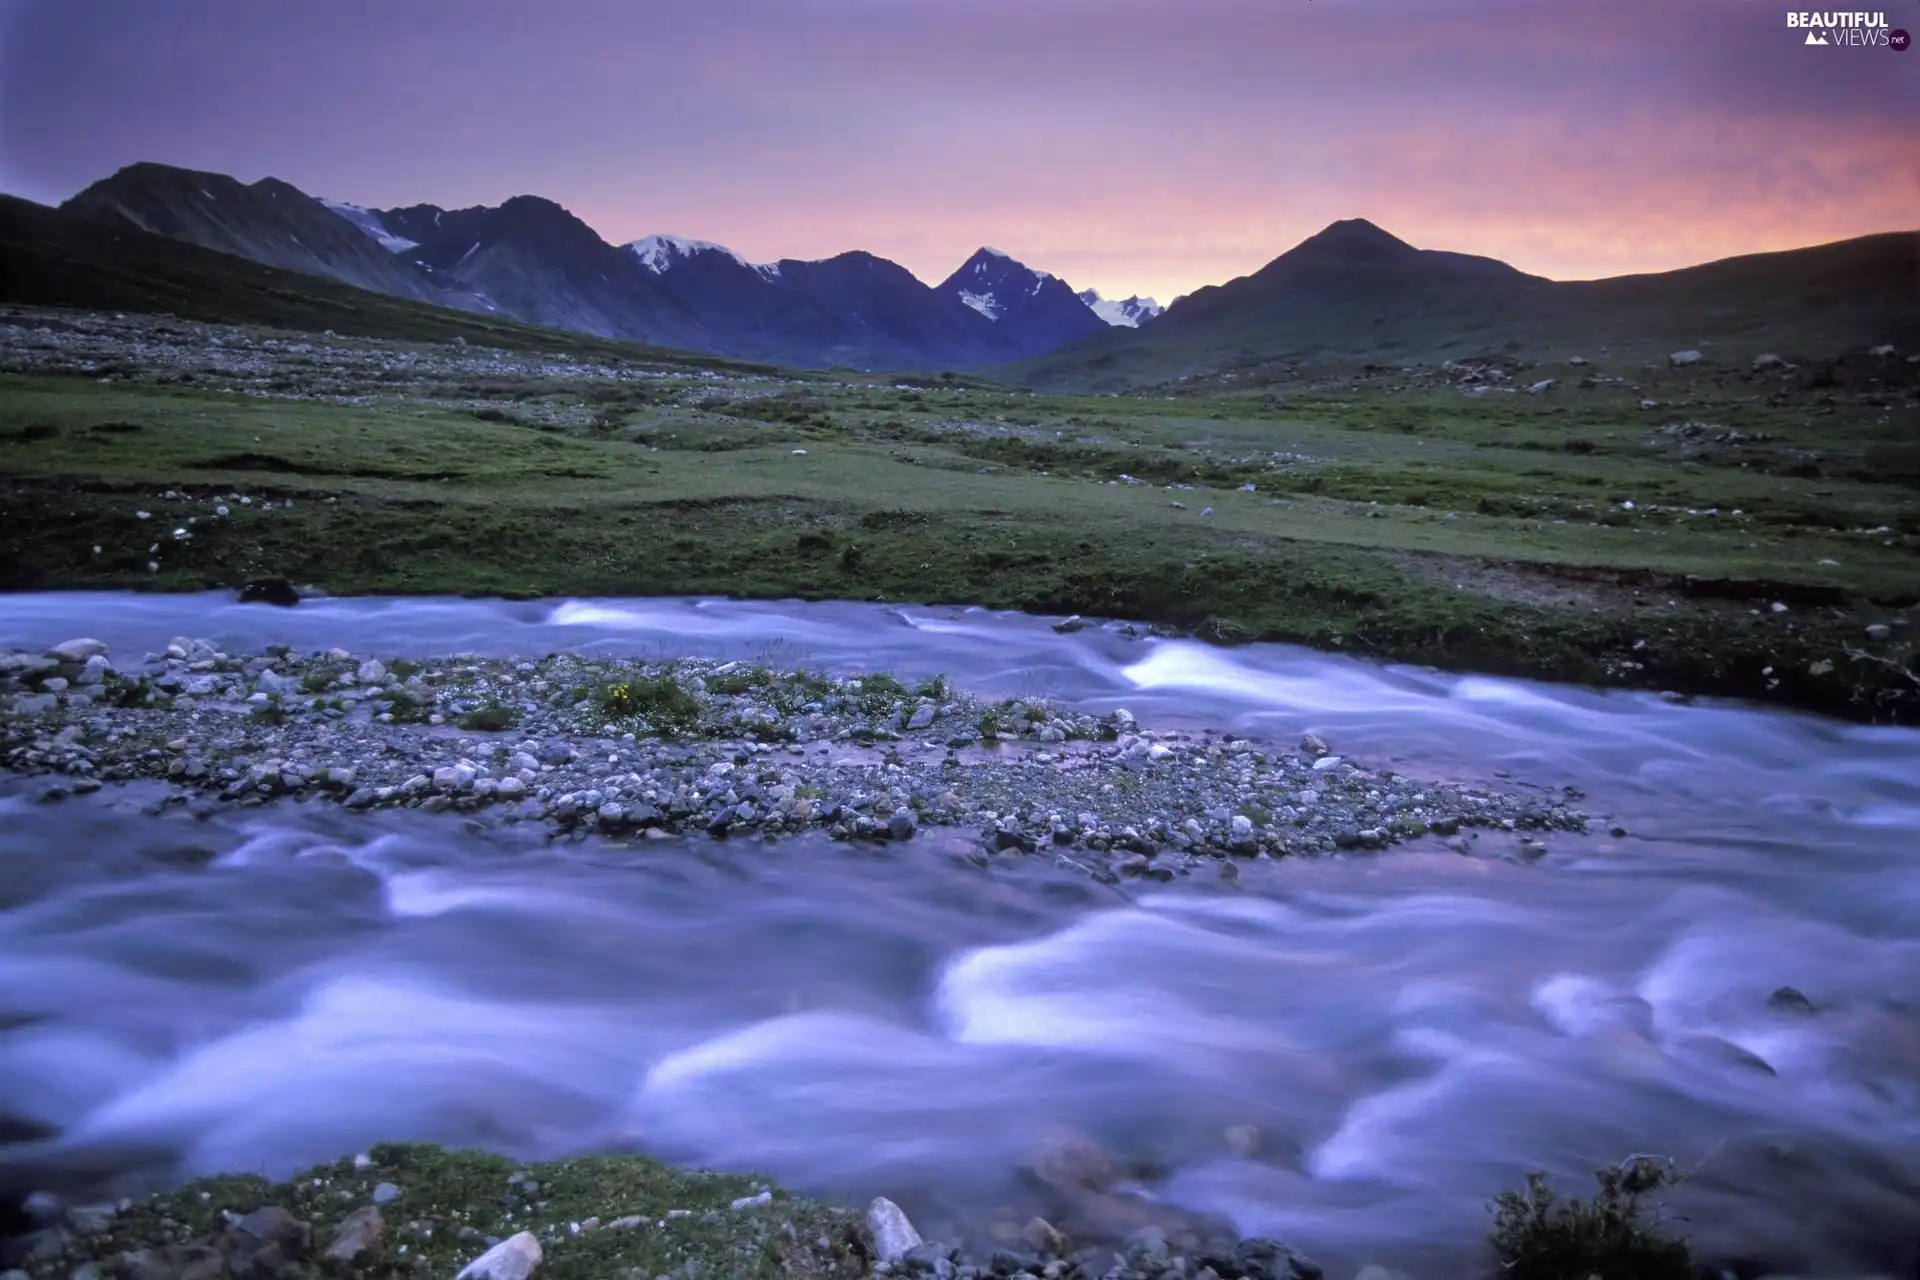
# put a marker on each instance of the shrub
(879, 694)
(492, 718)
(1538, 1237)
(659, 701)
(736, 682)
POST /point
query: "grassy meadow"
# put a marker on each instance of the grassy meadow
(1744, 537)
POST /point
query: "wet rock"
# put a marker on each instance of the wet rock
(900, 826)
(1045, 1238)
(893, 1236)
(512, 1259)
(1068, 625)
(274, 591)
(264, 1242)
(1259, 1258)
(360, 1232)
(1067, 1161)
(77, 651)
(1789, 1000)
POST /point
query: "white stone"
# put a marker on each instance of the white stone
(372, 671)
(512, 1259)
(77, 651)
(893, 1236)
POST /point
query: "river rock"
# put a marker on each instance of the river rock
(1681, 359)
(1259, 1258)
(264, 1242)
(275, 591)
(893, 1236)
(512, 1259)
(1045, 1238)
(372, 671)
(77, 651)
(1066, 1161)
(1789, 1000)
(359, 1232)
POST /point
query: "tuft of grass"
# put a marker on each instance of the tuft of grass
(880, 694)
(408, 709)
(270, 712)
(1540, 1237)
(737, 682)
(316, 681)
(659, 702)
(495, 717)
(403, 668)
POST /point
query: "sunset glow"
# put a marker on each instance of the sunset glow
(1131, 146)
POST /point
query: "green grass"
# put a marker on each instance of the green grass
(656, 704)
(495, 717)
(451, 1200)
(1403, 523)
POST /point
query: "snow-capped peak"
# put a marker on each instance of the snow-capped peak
(1130, 313)
(369, 221)
(657, 253)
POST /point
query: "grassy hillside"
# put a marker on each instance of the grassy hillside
(52, 259)
(1803, 303)
(1739, 538)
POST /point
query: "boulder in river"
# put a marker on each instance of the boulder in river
(77, 652)
(276, 591)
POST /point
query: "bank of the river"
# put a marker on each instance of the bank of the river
(412, 1210)
(630, 748)
(1602, 536)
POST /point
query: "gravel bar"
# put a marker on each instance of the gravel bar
(633, 750)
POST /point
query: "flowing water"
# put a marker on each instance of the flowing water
(1408, 1032)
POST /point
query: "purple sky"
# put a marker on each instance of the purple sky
(1131, 145)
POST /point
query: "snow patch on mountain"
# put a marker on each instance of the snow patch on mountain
(659, 253)
(369, 221)
(985, 303)
(1128, 313)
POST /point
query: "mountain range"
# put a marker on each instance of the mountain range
(1351, 293)
(533, 261)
